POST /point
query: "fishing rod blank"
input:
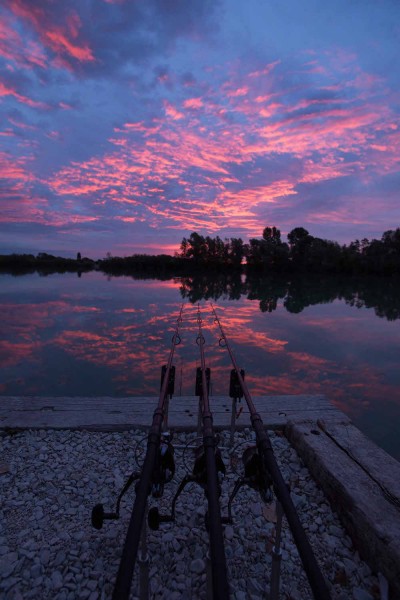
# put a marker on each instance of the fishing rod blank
(144, 485)
(217, 549)
(315, 577)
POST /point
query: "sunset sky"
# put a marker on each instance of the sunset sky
(126, 125)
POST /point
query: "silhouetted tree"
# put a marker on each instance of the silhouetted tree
(300, 241)
(272, 235)
(212, 252)
(269, 253)
(322, 255)
(298, 236)
(236, 251)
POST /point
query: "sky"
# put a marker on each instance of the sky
(126, 125)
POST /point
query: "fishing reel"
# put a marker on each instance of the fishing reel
(164, 469)
(163, 473)
(256, 477)
(199, 476)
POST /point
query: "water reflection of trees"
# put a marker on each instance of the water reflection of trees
(267, 290)
(229, 286)
(296, 293)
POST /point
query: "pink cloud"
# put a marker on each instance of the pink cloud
(172, 112)
(62, 40)
(25, 53)
(242, 91)
(60, 44)
(201, 155)
(12, 168)
(193, 103)
(20, 204)
(6, 90)
(266, 71)
(22, 125)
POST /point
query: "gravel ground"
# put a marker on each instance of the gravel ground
(48, 549)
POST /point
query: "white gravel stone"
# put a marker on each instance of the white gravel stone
(361, 594)
(8, 563)
(57, 580)
(49, 550)
(197, 565)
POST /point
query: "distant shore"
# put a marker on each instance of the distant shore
(268, 255)
(167, 266)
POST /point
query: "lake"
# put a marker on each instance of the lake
(65, 335)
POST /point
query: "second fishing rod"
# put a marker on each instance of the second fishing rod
(217, 549)
(315, 577)
(144, 485)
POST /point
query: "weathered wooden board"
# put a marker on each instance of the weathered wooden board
(292, 402)
(362, 483)
(121, 413)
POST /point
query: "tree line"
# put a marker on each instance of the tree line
(44, 264)
(301, 252)
(268, 254)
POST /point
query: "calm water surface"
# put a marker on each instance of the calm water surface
(93, 335)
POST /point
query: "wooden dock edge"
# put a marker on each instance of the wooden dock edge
(359, 479)
(118, 414)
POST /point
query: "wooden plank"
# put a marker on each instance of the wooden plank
(95, 413)
(372, 459)
(274, 403)
(363, 484)
(220, 402)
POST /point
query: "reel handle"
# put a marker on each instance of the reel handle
(99, 516)
(154, 518)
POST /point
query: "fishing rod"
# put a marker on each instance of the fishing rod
(315, 577)
(158, 468)
(207, 468)
(213, 491)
